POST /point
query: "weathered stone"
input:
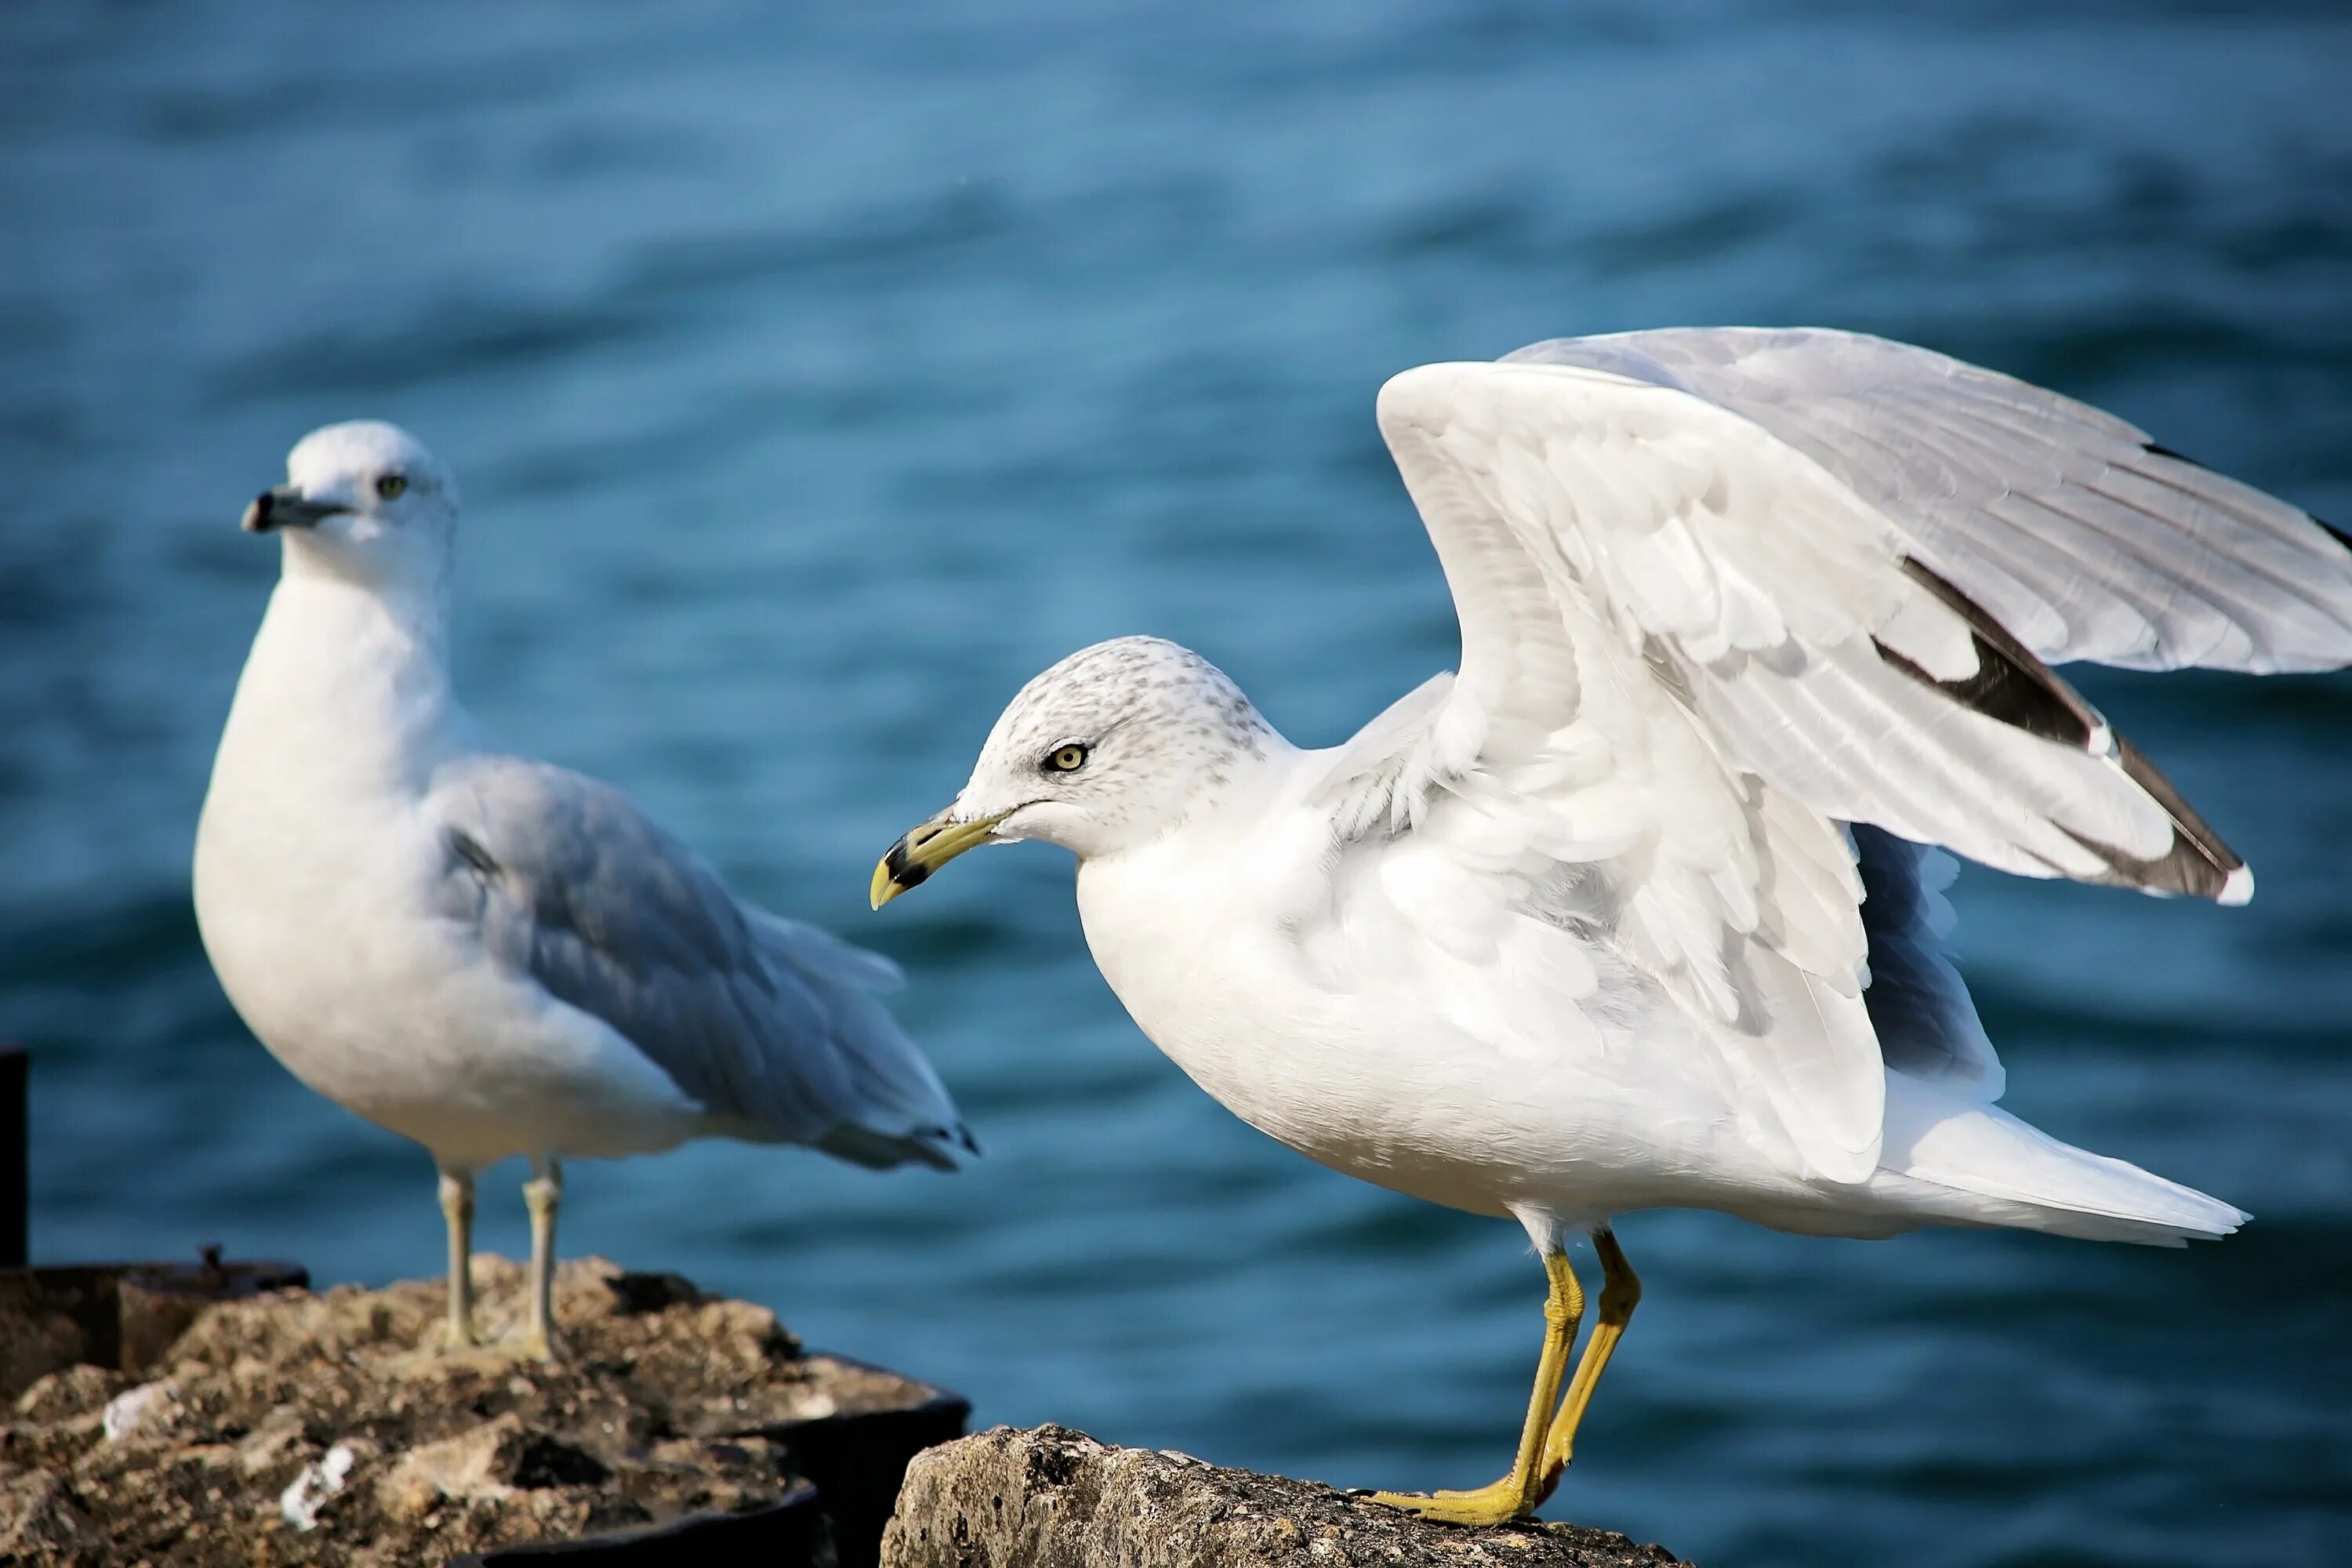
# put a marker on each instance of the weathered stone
(1052, 1498)
(300, 1428)
(59, 1419)
(39, 1517)
(281, 1438)
(492, 1461)
(75, 1391)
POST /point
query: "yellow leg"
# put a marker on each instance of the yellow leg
(543, 1194)
(1621, 1292)
(457, 1209)
(1516, 1495)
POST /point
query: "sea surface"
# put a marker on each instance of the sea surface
(817, 374)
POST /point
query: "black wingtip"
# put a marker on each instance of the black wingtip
(2010, 685)
(2198, 863)
(2015, 688)
(2159, 449)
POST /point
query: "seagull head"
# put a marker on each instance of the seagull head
(364, 501)
(1106, 751)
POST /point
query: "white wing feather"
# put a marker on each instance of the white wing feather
(1697, 638)
(2070, 526)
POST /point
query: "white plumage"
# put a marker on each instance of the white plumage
(1748, 620)
(480, 951)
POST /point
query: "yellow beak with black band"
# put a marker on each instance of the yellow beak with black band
(925, 849)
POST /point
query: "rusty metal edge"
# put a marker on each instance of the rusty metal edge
(940, 1402)
(837, 1452)
(716, 1540)
(784, 1533)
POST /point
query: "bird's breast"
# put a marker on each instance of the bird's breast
(1381, 1055)
(314, 860)
(292, 894)
(1209, 968)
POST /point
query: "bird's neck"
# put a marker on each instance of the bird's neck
(347, 685)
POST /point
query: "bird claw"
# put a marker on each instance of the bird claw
(1503, 1502)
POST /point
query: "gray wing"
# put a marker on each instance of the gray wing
(770, 1026)
(2081, 536)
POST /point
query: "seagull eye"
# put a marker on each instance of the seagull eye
(391, 487)
(1066, 759)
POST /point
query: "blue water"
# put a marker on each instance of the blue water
(817, 375)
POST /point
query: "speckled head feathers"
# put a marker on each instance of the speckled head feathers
(1153, 730)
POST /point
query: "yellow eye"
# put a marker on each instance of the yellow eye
(1069, 759)
(391, 487)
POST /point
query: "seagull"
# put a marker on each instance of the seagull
(1644, 908)
(480, 950)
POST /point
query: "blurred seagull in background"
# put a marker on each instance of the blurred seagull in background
(483, 953)
(1637, 910)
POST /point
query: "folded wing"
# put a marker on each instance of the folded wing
(770, 1026)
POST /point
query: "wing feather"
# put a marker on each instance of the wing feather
(1722, 594)
(769, 1025)
(2072, 528)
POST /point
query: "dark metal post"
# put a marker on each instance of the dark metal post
(16, 1156)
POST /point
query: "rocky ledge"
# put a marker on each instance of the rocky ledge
(296, 1428)
(1052, 1498)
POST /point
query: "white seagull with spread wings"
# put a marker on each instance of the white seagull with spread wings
(1639, 910)
(484, 952)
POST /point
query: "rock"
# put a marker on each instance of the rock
(38, 1517)
(1052, 1498)
(59, 1417)
(299, 1429)
(280, 1443)
(491, 1461)
(75, 1391)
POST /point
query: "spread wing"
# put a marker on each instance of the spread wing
(2070, 528)
(1707, 621)
(770, 1024)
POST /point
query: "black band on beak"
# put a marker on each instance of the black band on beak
(903, 873)
(910, 862)
(283, 506)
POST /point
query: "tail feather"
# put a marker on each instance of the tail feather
(2000, 1171)
(886, 1104)
(941, 1148)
